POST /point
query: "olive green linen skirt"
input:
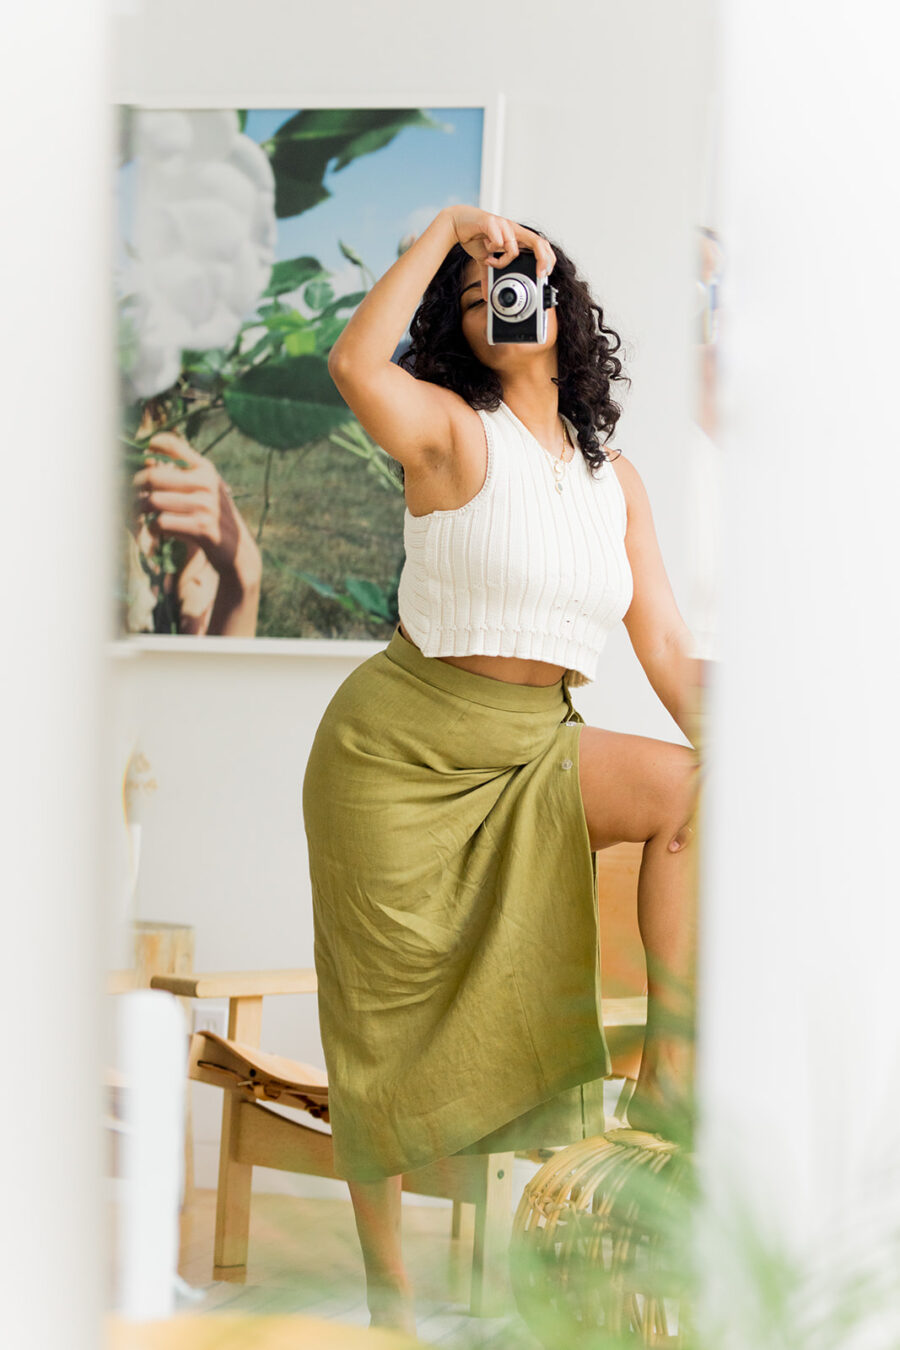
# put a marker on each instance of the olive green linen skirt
(455, 915)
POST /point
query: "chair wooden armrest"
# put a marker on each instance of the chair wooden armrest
(244, 989)
(238, 983)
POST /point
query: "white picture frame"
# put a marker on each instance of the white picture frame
(493, 106)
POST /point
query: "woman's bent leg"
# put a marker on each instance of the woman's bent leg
(640, 789)
(377, 1210)
(662, 1096)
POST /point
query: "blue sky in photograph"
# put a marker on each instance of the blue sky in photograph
(376, 199)
(380, 197)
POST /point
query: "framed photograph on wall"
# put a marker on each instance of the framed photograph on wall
(256, 512)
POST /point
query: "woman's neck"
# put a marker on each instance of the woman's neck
(537, 406)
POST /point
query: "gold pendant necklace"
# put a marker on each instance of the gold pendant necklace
(559, 463)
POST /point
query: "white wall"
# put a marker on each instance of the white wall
(605, 148)
(800, 1041)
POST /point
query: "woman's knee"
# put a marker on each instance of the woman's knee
(676, 790)
(634, 787)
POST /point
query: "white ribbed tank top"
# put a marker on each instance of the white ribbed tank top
(520, 569)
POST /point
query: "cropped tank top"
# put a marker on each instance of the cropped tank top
(521, 569)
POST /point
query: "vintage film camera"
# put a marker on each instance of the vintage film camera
(518, 302)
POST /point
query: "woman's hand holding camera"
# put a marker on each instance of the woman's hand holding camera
(483, 236)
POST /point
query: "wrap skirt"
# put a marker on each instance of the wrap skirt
(454, 896)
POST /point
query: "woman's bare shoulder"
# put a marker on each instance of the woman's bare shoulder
(630, 480)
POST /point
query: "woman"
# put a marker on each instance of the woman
(454, 798)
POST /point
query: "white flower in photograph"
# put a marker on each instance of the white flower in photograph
(203, 242)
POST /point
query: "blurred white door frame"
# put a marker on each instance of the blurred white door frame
(56, 547)
(800, 1040)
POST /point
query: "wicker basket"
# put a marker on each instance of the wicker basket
(600, 1246)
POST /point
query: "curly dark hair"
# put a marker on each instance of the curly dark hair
(587, 365)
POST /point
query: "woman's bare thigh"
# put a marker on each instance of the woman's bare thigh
(633, 786)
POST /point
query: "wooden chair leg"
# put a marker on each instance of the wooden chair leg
(235, 1178)
(462, 1227)
(625, 1095)
(493, 1226)
(232, 1201)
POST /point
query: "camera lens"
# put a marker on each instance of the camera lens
(513, 297)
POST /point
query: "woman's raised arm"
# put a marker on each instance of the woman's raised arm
(410, 418)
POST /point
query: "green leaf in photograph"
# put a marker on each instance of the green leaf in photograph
(328, 330)
(371, 128)
(269, 342)
(350, 254)
(286, 320)
(286, 404)
(291, 273)
(317, 294)
(321, 587)
(369, 595)
(304, 146)
(211, 360)
(302, 342)
(344, 302)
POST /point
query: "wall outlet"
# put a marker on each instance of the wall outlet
(211, 1015)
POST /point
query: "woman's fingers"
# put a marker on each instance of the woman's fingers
(168, 480)
(681, 839)
(197, 474)
(510, 245)
(496, 249)
(168, 443)
(546, 258)
(485, 287)
(186, 502)
(517, 236)
(180, 526)
(495, 240)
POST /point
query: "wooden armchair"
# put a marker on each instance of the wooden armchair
(255, 1135)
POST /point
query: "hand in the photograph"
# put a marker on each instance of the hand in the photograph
(220, 582)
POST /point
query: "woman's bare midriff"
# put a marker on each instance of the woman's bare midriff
(512, 669)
